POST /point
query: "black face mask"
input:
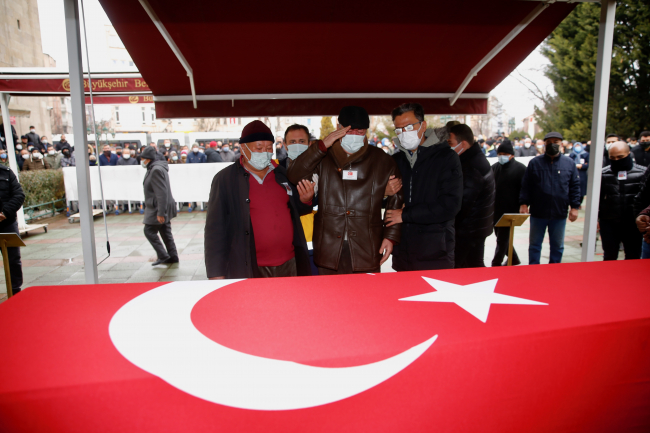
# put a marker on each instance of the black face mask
(645, 144)
(66, 154)
(552, 149)
(107, 153)
(624, 164)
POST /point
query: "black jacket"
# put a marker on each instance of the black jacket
(229, 239)
(34, 138)
(641, 157)
(550, 186)
(3, 144)
(12, 197)
(213, 155)
(433, 192)
(522, 151)
(475, 219)
(642, 199)
(507, 179)
(617, 195)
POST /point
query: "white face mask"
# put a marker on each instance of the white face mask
(113, 152)
(503, 159)
(51, 152)
(458, 149)
(174, 158)
(168, 144)
(201, 150)
(36, 155)
(25, 156)
(126, 155)
(44, 141)
(409, 139)
(259, 160)
(225, 148)
(195, 150)
(296, 149)
(352, 143)
(527, 145)
(32, 130)
(19, 147)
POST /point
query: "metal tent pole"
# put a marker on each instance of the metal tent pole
(73, 37)
(598, 124)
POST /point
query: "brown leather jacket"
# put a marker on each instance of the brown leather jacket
(349, 205)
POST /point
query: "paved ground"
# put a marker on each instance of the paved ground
(55, 258)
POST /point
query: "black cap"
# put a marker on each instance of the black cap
(149, 153)
(356, 117)
(29, 143)
(23, 136)
(506, 147)
(553, 135)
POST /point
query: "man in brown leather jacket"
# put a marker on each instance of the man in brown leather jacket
(349, 233)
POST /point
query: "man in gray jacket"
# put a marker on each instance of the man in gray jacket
(160, 207)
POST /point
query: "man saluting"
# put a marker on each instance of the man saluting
(349, 234)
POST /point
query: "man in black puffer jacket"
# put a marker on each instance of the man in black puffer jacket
(621, 182)
(11, 199)
(474, 222)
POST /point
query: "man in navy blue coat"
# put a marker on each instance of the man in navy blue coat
(550, 186)
(107, 157)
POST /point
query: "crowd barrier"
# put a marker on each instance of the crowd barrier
(189, 182)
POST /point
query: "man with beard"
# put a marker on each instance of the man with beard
(621, 182)
(550, 186)
(349, 234)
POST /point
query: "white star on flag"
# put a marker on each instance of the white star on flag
(474, 298)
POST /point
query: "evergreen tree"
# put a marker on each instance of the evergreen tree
(572, 50)
(326, 127)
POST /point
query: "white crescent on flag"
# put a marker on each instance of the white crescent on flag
(155, 332)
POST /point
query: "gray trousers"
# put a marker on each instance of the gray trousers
(151, 233)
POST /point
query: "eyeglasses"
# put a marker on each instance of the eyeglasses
(407, 128)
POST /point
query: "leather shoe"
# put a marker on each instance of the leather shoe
(171, 260)
(159, 262)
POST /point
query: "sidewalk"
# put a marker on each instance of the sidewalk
(55, 257)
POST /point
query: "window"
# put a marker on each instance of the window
(144, 120)
(18, 21)
(153, 114)
(117, 114)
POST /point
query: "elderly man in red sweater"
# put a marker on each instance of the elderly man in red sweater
(253, 224)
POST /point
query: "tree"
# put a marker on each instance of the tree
(326, 127)
(572, 51)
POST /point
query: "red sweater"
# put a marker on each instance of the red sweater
(271, 219)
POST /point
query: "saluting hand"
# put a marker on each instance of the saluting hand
(336, 135)
(306, 190)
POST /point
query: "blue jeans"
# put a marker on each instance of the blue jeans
(556, 237)
(645, 251)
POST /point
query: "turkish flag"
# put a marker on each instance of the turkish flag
(530, 348)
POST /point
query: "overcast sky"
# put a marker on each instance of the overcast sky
(518, 101)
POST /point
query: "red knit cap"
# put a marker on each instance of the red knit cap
(256, 131)
(213, 144)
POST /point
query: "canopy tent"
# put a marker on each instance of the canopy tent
(460, 52)
(296, 58)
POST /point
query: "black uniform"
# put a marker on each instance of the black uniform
(11, 199)
(507, 178)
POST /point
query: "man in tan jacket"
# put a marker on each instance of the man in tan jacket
(349, 233)
(35, 161)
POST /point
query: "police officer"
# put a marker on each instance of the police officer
(11, 199)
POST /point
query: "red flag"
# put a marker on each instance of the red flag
(542, 348)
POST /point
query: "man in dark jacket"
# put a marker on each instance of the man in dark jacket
(581, 157)
(107, 157)
(550, 186)
(196, 157)
(212, 154)
(126, 158)
(227, 155)
(508, 174)
(63, 144)
(11, 199)
(253, 224)
(621, 182)
(527, 149)
(3, 143)
(642, 150)
(34, 138)
(475, 220)
(349, 234)
(160, 207)
(433, 177)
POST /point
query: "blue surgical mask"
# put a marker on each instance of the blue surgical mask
(259, 160)
(503, 159)
(3, 156)
(352, 143)
(295, 150)
(577, 149)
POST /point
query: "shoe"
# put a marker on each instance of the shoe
(159, 262)
(171, 260)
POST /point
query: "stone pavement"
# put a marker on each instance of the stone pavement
(55, 257)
